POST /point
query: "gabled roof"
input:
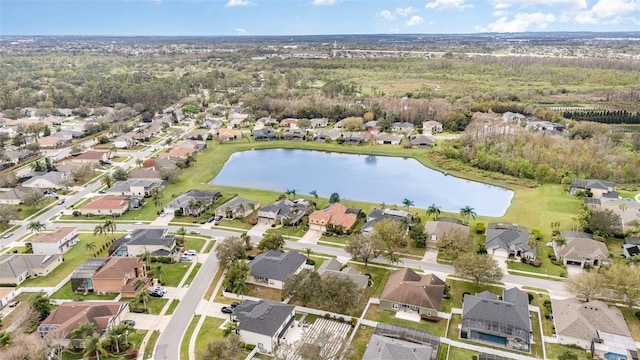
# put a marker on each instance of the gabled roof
(406, 287)
(511, 312)
(106, 202)
(183, 200)
(118, 267)
(442, 226)
(510, 237)
(145, 173)
(125, 186)
(91, 155)
(285, 207)
(580, 245)
(53, 237)
(51, 140)
(277, 265)
(332, 267)
(71, 314)
(13, 265)
(575, 319)
(149, 237)
(54, 177)
(592, 184)
(236, 202)
(385, 348)
(15, 193)
(335, 214)
(263, 317)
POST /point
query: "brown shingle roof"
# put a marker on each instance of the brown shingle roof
(582, 320)
(53, 237)
(71, 314)
(334, 214)
(118, 267)
(106, 202)
(406, 287)
(91, 155)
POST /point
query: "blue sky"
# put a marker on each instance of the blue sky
(311, 17)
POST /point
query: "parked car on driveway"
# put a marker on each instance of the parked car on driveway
(227, 310)
(129, 322)
(185, 258)
(156, 293)
(191, 253)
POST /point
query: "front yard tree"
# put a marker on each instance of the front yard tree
(40, 304)
(271, 242)
(586, 285)
(481, 268)
(305, 287)
(223, 349)
(340, 294)
(119, 174)
(455, 242)
(32, 198)
(418, 236)
(390, 232)
(229, 250)
(93, 346)
(7, 213)
(604, 223)
(334, 198)
(624, 281)
(407, 203)
(235, 280)
(36, 226)
(364, 247)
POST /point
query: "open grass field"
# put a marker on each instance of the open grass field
(72, 259)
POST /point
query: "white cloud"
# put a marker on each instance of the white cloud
(522, 22)
(571, 4)
(606, 9)
(448, 5)
(405, 12)
(414, 20)
(386, 14)
(324, 2)
(241, 31)
(234, 3)
(499, 13)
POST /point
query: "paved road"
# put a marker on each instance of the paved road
(168, 345)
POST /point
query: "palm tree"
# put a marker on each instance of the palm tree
(90, 247)
(434, 211)
(308, 251)
(181, 232)
(194, 207)
(109, 226)
(99, 230)
(157, 273)
(142, 297)
(113, 151)
(115, 334)
(108, 180)
(289, 192)
(93, 345)
(81, 332)
(313, 193)
(466, 213)
(36, 226)
(407, 203)
(139, 162)
(156, 195)
(391, 256)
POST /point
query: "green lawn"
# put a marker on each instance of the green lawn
(547, 324)
(172, 306)
(194, 243)
(555, 350)
(458, 353)
(359, 343)
(172, 274)
(209, 332)
(379, 277)
(155, 305)
(389, 317)
(293, 231)
(184, 345)
(26, 211)
(192, 274)
(72, 259)
(65, 293)
(459, 287)
(632, 321)
(151, 344)
(209, 247)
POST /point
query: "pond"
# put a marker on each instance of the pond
(376, 179)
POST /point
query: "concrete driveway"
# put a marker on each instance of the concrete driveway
(311, 237)
(258, 229)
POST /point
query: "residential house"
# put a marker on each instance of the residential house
(289, 122)
(142, 188)
(197, 135)
(181, 153)
(388, 139)
(293, 134)
(237, 118)
(370, 125)
(422, 141)
(413, 293)
(503, 240)
(402, 127)
(56, 242)
(509, 116)
(68, 168)
(155, 242)
(324, 134)
(68, 134)
(145, 174)
(579, 248)
(431, 126)
(392, 348)
(264, 134)
(598, 188)
(376, 215)
(120, 275)
(437, 229)
(627, 209)
(272, 268)
(125, 141)
(503, 323)
(577, 323)
(61, 322)
(631, 246)
(225, 134)
(81, 278)
(14, 195)
(17, 156)
(263, 323)
(46, 181)
(193, 145)
(212, 123)
(15, 268)
(284, 211)
(319, 122)
(336, 215)
(265, 121)
(113, 205)
(52, 142)
(193, 202)
(353, 138)
(333, 267)
(613, 346)
(237, 207)
(91, 157)
(167, 162)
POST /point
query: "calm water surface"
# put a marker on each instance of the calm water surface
(368, 178)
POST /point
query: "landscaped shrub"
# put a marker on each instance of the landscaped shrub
(250, 347)
(536, 234)
(530, 296)
(162, 259)
(480, 228)
(535, 263)
(311, 262)
(76, 213)
(638, 314)
(178, 212)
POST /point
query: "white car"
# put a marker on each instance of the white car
(185, 258)
(194, 232)
(191, 253)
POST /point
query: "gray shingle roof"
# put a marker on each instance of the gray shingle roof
(149, 237)
(581, 320)
(511, 238)
(263, 317)
(16, 264)
(384, 348)
(277, 265)
(592, 184)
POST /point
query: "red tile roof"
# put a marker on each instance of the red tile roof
(106, 202)
(334, 214)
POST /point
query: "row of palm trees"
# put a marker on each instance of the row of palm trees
(86, 337)
(466, 212)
